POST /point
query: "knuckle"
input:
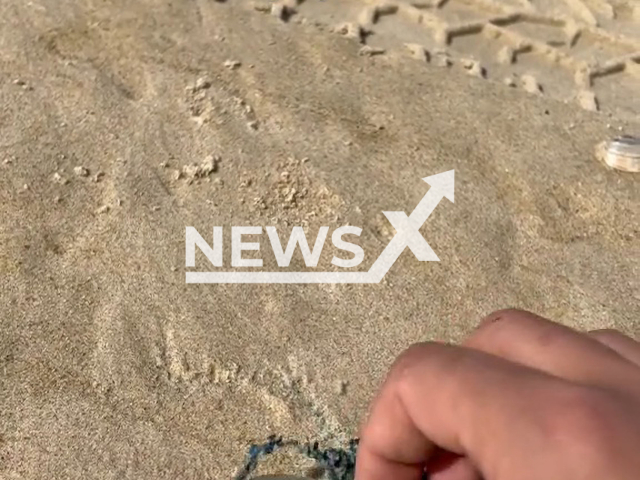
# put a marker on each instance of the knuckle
(500, 318)
(409, 356)
(404, 364)
(497, 328)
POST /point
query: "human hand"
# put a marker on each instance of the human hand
(523, 398)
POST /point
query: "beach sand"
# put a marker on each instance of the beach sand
(124, 122)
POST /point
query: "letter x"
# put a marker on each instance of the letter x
(408, 235)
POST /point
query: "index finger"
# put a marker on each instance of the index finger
(450, 397)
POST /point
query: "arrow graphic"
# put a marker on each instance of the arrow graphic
(408, 228)
(407, 236)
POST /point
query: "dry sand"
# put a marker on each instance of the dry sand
(123, 122)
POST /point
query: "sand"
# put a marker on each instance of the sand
(124, 122)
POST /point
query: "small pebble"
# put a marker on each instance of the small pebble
(59, 179)
(232, 64)
(81, 171)
(193, 171)
(474, 68)
(291, 196)
(369, 51)
(350, 30)
(530, 84)
(418, 51)
(209, 165)
(442, 59)
(510, 81)
(202, 83)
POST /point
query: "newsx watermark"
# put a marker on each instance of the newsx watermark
(407, 236)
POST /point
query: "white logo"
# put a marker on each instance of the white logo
(407, 235)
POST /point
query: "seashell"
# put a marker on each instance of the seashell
(621, 153)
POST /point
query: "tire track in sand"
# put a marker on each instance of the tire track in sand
(582, 51)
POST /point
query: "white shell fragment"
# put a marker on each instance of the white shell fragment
(621, 153)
